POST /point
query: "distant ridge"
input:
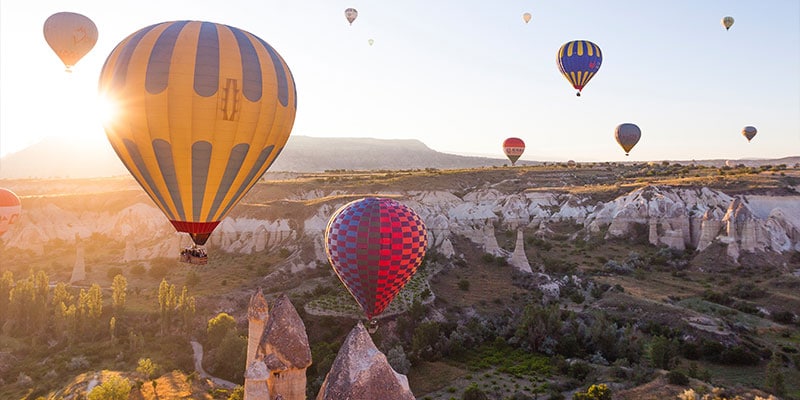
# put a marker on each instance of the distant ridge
(67, 158)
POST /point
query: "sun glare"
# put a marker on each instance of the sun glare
(106, 109)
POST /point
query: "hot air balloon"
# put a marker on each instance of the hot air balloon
(627, 136)
(526, 17)
(9, 210)
(205, 110)
(727, 22)
(70, 35)
(375, 246)
(579, 61)
(749, 132)
(371, 41)
(513, 148)
(351, 15)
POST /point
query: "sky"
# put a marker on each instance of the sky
(462, 75)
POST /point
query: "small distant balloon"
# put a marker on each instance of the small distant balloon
(579, 61)
(627, 136)
(351, 15)
(727, 22)
(749, 132)
(513, 148)
(70, 35)
(9, 210)
(526, 17)
(371, 42)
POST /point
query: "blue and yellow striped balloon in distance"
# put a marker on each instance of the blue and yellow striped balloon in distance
(203, 110)
(579, 61)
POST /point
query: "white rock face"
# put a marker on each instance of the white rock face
(673, 217)
(518, 259)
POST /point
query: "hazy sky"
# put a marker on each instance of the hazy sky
(462, 75)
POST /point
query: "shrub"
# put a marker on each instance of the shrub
(113, 388)
(594, 392)
(463, 285)
(677, 378)
(473, 392)
(783, 317)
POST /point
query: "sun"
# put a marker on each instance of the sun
(106, 109)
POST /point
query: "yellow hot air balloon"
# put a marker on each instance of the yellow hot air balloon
(70, 35)
(727, 22)
(371, 42)
(526, 17)
(205, 109)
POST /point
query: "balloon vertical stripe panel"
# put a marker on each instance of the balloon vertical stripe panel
(207, 108)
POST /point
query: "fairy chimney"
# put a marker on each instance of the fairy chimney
(257, 315)
(361, 372)
(281, 357)
(518, 259)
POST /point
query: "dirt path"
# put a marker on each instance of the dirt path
(197, 348)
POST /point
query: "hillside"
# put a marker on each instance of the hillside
(704, 262)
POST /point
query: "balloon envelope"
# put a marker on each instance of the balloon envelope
(9, 210)
(579, 61)
(351, 15)
(70, 35)
(371, 42)
(526, 17)
(749, 132)
(627, 136)
(727, 22)
(513, 149)
(375, 245)
(205, 109)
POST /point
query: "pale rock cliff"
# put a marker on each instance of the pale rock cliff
(519, 259)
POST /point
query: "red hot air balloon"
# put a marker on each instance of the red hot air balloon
(375, 246)
(513, 147)
(9, 209)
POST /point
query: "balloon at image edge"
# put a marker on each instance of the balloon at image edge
(627, 135)
(375, 246)
(10, 208)
(350, 14)
(727, 22)
(749, 132)
(579, 61)
(204, 110)
(513, 149)
(70, 35)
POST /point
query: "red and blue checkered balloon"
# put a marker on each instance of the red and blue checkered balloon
(375, 245)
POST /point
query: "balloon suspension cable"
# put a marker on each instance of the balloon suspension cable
(372, 326)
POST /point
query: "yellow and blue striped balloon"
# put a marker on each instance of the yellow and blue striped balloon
(203, 110)
(579, 61)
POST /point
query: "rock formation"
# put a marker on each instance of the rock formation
(282, 354)
(361, 372)
(257, 316)
(519, 259)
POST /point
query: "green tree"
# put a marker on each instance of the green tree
(113, 388)
(186, 310)
(662, 351)
(237, 393)
(218, 327)
(473, 392)
(774, 381)
(424, 343)
(226, 359)
(119, 290)
(6, 283)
